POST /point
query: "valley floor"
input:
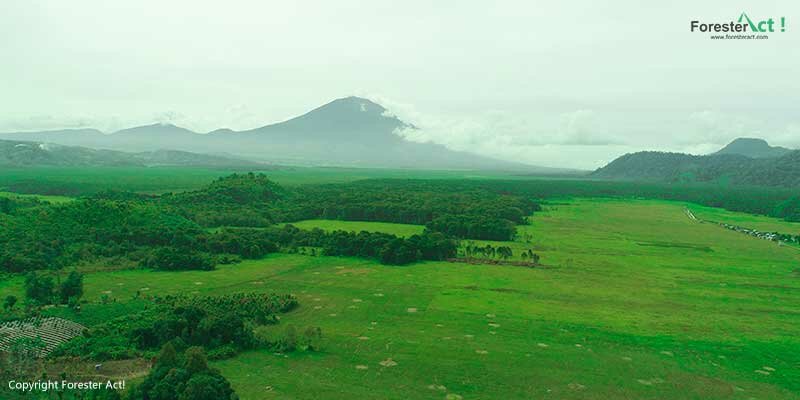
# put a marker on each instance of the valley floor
(638, 302)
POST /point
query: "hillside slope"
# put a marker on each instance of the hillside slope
(753, 148)
(27, 153)
(724, 168)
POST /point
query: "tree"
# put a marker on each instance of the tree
(196, 360)
(505, 252)
(39, 288)
(71, 288)
(192, 380)
(10, 302)
(207, 387)
(175, 259)
(168, 357)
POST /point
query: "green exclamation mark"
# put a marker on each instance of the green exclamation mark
(783, 24)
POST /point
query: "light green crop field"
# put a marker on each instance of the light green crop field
(758, 222)
(637, 302)
(403, 230)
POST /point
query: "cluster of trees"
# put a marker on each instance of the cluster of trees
(176, 259)
(92, 229)
(531, 256)
(235, 200)
(386, 248)
(9, 302)
(788, 209)
(459, 208)
(41, 289)
(473, 227)
(10, 204)
(138, 228)
(171, 232)
(222, 325)
(488, 251)
(246, 243)
(183, 376)
(54, 236)
(501, 252)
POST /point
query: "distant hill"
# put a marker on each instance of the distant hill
(351, 131)
(717, 168)
(26, 153)
(753, 148)
(22, 153)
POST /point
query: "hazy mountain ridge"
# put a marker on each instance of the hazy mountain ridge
(350, 131)
(753, 148)
(719, 167)
(27, 153)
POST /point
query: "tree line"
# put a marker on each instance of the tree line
(222, 325)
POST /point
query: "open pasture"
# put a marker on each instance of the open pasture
(638, 301)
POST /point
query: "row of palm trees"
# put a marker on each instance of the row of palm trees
(502, 252)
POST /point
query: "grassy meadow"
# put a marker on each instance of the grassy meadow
(401, 230)
(636, 301)
(758, 222)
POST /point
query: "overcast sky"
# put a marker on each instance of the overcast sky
(568, 83)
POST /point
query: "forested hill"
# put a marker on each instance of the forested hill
(753, 148)
(14, 153)
(717, 168)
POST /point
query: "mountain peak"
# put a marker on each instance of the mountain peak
(156, 129)
(353, 103)
(345, 120)
(753, 148)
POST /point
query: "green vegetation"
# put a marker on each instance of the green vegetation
(169, 232)
(75, 181)
(44, 198)
(188, 377)
(400, 230)
(771, 201)
(781, 170)
(219, 324)
(460, 209)
(697, 325)
(759, 222)
(584, 290)
(40, 289)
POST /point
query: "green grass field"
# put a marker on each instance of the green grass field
(637, 302)
(403, 230)
(758, 222)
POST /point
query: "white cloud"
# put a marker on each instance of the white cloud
(584, 138)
